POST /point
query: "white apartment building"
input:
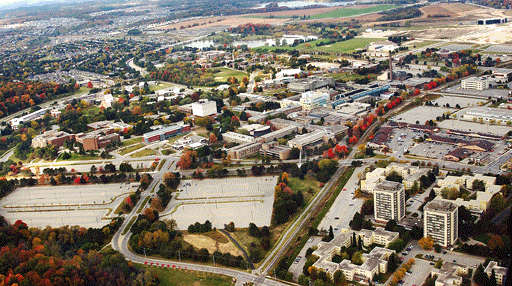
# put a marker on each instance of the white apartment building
(204, 107)
(478, 83)
(440, 221)
(389, 201)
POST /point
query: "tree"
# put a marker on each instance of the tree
(254, 230)
(357, 258)
(480, 277)
(426, 243)
(213, 138)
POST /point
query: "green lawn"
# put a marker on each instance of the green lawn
(161, 85)
(309, 186)
(145, 152)
(484, 238)
(131, 141)
(224, 73)
(173, 277)
(78, 157)
(348, 12)
(339, 47)
(346, 76)
(91, 111)
(131, 149)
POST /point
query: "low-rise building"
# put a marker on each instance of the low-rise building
(244, 150)
(232, 137)
(166, 133)
(97, 139)
(374, 263)
(499, 272)
(409, 174)
(311, 83)
(313, 99)
(478, 83)
(15, 122)
(310, 140)
(54, 137)
(204, 107)
(450, 274)
(275, 150)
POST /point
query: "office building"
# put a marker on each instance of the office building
(310, 83)
(478, 83)
(440, 221)
(244, 150)
(389, 201)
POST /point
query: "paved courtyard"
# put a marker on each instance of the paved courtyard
(57, 206)
(221, 201)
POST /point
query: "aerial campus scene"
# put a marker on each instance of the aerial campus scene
(230, 142)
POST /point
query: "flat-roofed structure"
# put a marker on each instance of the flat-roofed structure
(450, 274)
(374, 262)
(244, 150)
(310, 83)
(237, 138)
(165, 133)
(310, 140)
(499, 272)
(441, 222)
(389, 201)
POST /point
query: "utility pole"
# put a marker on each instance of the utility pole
(213, 260)
(145, 252)
(179, 255)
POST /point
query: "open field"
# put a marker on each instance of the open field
(144, 152)
(229, 21)
(63, 205)
(174, 277)
(348, 12)
(215, 200)
(340, 47)
(131, 149)
(224, 73)
(202, 241)
(131, 141)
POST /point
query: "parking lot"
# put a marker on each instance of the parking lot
(402, 140)
(452, 101)
(431, 150)
(494, 93)
(64, 205)
(221, 201)
(421, 114)
(475, 127)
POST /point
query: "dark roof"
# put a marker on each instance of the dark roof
(486, 145)
(382, 135)
(459, 153)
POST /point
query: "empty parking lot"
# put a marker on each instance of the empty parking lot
(221, 201)
(57, 206)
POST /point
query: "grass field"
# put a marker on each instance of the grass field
(213, 241)
(172, 277)
(224, 73)
(309, 186)
(78, 157)
(145, 152)
(131, 149)
(349, 12)
(131, 141)
(91, 111)
(340, 47)
(161, 85)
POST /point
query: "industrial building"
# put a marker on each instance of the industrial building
(389, 201)
(15, 122)
(373, 90)
(165, 133)
(486, 114)
(440, 221)
(491, 21)
(311, 83)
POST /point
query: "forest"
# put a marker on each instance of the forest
(64, 256)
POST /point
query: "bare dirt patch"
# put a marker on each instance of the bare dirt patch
(206, 241)
(433, 10)
(231, 21)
